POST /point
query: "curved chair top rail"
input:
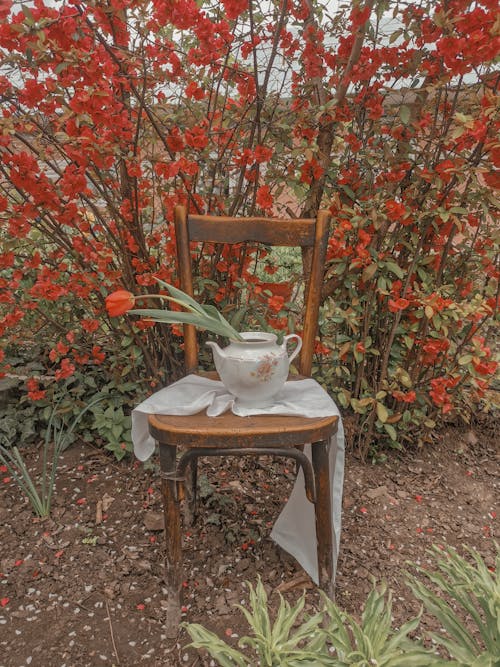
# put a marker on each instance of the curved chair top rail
(269, 231)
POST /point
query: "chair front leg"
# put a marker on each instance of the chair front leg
(173, 538)
(323, 514)
(190, 490)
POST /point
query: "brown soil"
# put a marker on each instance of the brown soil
(74, 592)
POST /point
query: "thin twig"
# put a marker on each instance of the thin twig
(111, 632)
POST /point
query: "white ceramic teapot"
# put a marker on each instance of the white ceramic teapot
(256, 368)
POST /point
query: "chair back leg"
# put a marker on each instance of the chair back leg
(323, 514)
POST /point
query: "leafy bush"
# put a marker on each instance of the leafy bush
(333, 637)
(25, 421)
(384, 114)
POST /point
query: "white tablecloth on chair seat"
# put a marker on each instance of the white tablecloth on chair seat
(295, 529)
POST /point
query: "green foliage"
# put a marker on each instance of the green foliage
(99, 405)
(473, 632)
(113, 425)
(329, 637)
(274, 643)
(21, 420)
(373, 641)
(56, 436)
(335, 638)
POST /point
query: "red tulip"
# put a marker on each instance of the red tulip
(119, 302)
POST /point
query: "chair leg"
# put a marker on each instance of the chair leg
(173, 539)
(323, 513)
(190, 489)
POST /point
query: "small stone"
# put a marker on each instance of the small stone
(471, 438)
(154, 521)
(377, 493)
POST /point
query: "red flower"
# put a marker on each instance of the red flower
(276, 303)
(264, 197)
(408, 397)
(397, 212)
(196, 138)
(234, 7)
(66, 369)
(439, 392)
(276, 289)
(90, 325)
(263, 154)
(310, 171)
(174, 140)
(5, 7)
(193, 90)
(484, 367)
(119, 302)
(398, 304)
(34, 391)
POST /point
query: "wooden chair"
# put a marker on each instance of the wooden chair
(229, 435)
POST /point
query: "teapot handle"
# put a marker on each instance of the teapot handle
(297, 347)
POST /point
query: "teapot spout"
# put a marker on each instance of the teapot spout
(217, 351)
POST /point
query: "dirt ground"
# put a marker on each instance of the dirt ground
(76, 590)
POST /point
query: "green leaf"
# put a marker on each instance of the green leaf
(369, 272)
(389, 428)
(202, 321)
(465, 359)
(382, 412)
(349, 192)
(464, 647)
(404, 114)
(180, 295)
(395, 269)
(395, 36)
(225, 655)
(30, 20)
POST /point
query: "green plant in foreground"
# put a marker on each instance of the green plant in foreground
(274, 643)
(41, 498)
(476, 592)
(373, 641)
(335, 638)
(329, 638)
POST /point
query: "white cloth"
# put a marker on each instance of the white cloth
(295, 529)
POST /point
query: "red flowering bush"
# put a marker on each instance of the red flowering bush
(110, 115)
(413, 258)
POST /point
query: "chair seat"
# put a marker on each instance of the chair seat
(229, 430)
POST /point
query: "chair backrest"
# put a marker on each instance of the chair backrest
(311, 234)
